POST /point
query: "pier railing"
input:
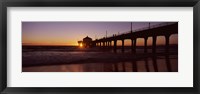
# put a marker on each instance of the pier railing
(142, 29)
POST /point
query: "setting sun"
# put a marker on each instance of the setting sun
(81, 45)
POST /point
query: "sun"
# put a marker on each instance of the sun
(81, 45)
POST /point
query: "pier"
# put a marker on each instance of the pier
(164, 29)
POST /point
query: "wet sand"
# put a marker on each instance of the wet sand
(98, 62)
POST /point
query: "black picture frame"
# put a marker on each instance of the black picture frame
(100, 3)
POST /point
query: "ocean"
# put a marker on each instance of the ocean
(97, 59)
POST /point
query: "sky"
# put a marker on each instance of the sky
(68, 33)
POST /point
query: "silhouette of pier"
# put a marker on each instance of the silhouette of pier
(164, 29)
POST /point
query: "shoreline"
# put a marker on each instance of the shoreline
(63, 59)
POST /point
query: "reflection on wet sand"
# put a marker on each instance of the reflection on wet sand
(167, 63)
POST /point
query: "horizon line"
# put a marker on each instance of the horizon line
(78, 45)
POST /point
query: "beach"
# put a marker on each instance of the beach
(74, 59)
